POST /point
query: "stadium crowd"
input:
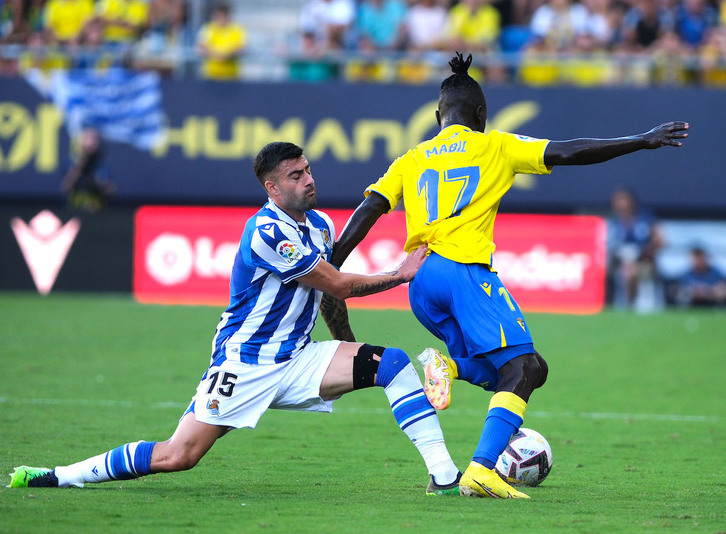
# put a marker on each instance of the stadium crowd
(535, 42)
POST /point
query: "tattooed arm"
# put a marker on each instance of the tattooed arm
(328, 279)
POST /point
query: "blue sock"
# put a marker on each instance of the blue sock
(132, 460)
(393, 360)
(504, 418)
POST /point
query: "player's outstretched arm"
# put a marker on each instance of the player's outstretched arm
(358, 226)
(588, 151)
(328, 279)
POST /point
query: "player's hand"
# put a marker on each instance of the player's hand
(410, 266)
(667, 134)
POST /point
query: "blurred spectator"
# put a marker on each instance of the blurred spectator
(165, 25)
(616, 12)
(34, 16)
(159, 49)
(325, 23)
(597, 25)
(123, 21)
(644, 23)
(693, 20)
(40, 57)
(92, 54)
(424, 25)
(669, 56)
(86, 184)
(556, 23)
(65, 19)
(378, 24)
(473, 25)
(702, 284)
(221, 41)
(712, 57)
(15, 21)
(591, 65)
(523, 10)
(633, 240)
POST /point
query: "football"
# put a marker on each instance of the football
(527, 460)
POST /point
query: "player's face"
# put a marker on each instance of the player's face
(295, 188)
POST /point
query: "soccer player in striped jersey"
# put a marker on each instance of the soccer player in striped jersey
(451, 187)
(262, 354)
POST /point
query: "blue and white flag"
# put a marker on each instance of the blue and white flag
(125, 106)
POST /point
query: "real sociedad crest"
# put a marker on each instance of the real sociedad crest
(326, 238)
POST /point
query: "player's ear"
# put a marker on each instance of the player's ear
(481, 117)
(438, 117)
(271, 187)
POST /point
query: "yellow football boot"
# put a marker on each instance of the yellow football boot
(439, 373)
(478, 481)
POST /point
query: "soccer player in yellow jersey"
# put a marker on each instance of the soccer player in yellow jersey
(451, 186)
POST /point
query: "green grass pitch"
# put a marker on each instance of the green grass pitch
(634, 409)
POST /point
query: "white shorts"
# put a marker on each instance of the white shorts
(236, 394)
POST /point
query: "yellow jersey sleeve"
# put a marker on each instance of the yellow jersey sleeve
(526, 154)
(390, 185)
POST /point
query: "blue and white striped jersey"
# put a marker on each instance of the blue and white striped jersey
(270, 315)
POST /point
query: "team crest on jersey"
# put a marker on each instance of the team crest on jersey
(521, 323)
(288, 252)
(326, 238)
(213, 407)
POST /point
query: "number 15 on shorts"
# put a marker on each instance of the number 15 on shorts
(226, 383)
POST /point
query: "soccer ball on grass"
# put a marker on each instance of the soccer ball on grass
(527, 460)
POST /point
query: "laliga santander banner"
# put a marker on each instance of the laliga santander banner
(184, 255)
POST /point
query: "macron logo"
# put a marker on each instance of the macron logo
(45, 244)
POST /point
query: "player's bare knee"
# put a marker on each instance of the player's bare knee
(365, 366)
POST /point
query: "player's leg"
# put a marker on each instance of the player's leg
(182, 451)
(432, 294)
(191, 440)
(355, 366)
(495, 331)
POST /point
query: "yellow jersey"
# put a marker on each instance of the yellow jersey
(451, 186)
(222, 40)
(119, 13)
(66, 18)
(482, 27)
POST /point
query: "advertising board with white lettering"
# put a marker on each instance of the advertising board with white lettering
(549, 263)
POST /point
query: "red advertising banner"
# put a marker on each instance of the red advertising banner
(552, 263)
(184, 255)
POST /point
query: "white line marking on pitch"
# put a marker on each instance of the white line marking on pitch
(171, 405)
